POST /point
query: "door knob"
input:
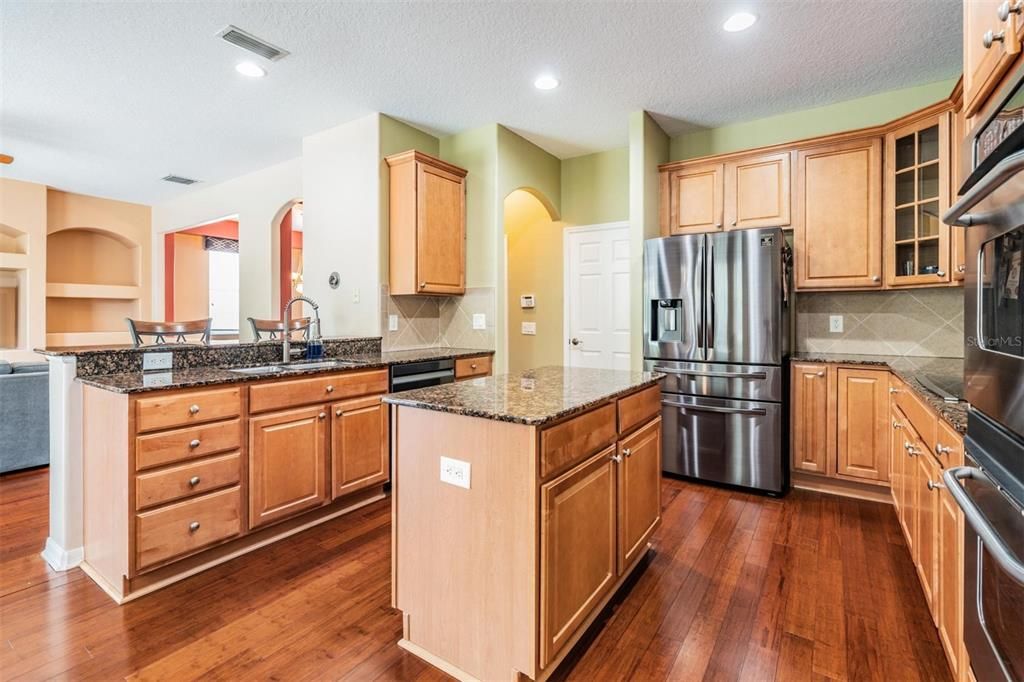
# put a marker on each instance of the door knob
(574, 341)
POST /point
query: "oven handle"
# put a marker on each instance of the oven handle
(1004, 170)
(756, 411)
(721, 375)
(1003, 555)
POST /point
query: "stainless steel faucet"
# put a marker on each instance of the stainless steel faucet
(314, 334)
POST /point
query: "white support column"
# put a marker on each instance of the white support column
(65, 545)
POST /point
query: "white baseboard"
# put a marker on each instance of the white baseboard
(61, 559)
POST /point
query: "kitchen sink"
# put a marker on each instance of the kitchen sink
(262, 369)
(295, 367)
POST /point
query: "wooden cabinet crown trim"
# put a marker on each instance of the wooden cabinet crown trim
(414, 155)
(948, 104)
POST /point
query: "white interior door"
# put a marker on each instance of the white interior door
(597, 297)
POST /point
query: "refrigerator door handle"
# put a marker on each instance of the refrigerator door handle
(709, 288)
(757, 411)
(699, 373)
(697, 301)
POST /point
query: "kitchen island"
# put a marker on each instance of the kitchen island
(521, 503)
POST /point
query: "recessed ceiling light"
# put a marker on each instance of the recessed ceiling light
(251, 70)
(739, 22)
(545, 82)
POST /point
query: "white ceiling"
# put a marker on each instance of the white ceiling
(106, 98)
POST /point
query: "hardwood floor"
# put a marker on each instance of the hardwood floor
(740, 587)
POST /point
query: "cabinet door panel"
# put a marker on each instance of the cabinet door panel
(288, 464)
(863, 408)
(695, 196)
(577, 548)
(838, 223)
(440, 231)
(809, 418)
(757, 191)
(639, 491)
(950, 577)
(983, 67)
(927, 509)
(359, 445)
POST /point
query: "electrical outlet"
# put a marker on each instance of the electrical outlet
(392, 323)
(529, 328)
(455, 472)
(156, 361)
(835, 324)
(479, 321)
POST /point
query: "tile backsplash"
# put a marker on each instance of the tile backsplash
(920, 322)
(426, 321)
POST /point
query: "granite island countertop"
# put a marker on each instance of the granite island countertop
(191, 377)
(910, 369)
(532, 397)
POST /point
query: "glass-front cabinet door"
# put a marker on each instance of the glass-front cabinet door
(917, 189)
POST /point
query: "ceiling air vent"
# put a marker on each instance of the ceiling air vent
(248, 41)
(179, 180)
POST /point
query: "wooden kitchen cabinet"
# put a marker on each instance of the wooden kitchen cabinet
(985, 66)
(758, 191)
(692, 199)
(837, 226)
(578, 548)
(809, 418)
(427, 203)
(927, 516)
(901, 472)
(949, 604)
(287, 463)
(359, 445)
(639, 496)
(472, 367)
(862, 450)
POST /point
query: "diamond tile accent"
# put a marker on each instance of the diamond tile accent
(427, 321)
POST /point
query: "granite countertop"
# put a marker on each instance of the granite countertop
(909, 369)
(532, 397)
(189, 377)
(228, 345)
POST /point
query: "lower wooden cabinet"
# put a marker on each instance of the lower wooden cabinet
(472, 367)
(359, 445)
(578, 548)
(287, 463)
(926, 471)
(949, 602)
(639, 491)
(862, 450)
(809, 418)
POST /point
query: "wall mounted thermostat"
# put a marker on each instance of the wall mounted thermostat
(527, 301)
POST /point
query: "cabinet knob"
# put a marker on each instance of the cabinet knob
(193, 409)
(330, 388)
(734, 223)
(942, 449)
(876, 278)
(194, 481)
(940, 273)
(820, 374)
(322, 415)
(961, 268)
(194, 443)
(893, 390)
(896, 425)
(932, 485)
(337, 412)
(615, 458)
(423, 285)
(991, 37)
(627, 452)
(193, 527)
(473, 366)
(1007, 8)
(718, 226)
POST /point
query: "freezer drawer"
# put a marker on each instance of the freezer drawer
(738, 442)
(742, 382)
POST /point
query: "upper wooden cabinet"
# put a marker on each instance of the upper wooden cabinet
(741, 192)
(427, 204)
(838, 222)
(694, 199)
(990, 46)
(917, 193)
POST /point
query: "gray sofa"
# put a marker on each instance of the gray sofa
(24, 415)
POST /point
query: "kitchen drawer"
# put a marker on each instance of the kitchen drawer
(638, 408)
(184, 528)
(168, 447)
(187, 480)
(476, 366)
(949, 446)
(572, 441)
(277, 395)
(181, 409)
(920, 415)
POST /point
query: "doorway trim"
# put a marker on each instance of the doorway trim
(566, 317)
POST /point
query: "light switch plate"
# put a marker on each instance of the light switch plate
(392, 323)
(835, 324)
(529, 328)
(479, 321)
(152, 361)
(455, 472)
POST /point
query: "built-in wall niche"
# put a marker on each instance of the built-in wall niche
(13, 240)
(88, 256)
(12, 308)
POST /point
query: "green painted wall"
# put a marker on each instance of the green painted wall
(796, 125)
(524, 165)
(595, 187)
(648, 146)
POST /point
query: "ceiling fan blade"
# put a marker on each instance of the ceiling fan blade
(4, 158)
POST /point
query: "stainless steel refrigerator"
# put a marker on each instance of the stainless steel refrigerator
(716, 324)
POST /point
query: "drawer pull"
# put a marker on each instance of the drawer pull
(194, 443)
(193, 409)
(473, 366)
(194, 481)
(330, 389)
(193, 527)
